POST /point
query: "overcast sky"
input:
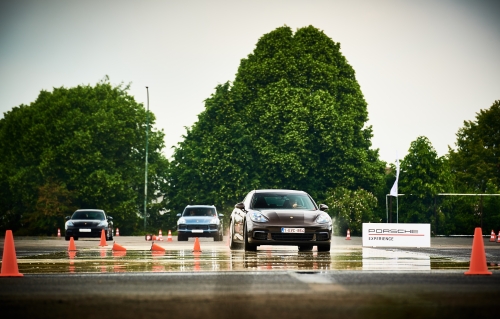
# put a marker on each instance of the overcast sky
(424, 66)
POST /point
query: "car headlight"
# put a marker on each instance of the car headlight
(214, 221)
(103, 224)
(181, 220)
(323, 219)
(69, 223)
(258, 217)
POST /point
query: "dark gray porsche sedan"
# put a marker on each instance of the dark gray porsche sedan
(89, 223)
(280, 217)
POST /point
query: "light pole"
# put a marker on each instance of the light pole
(146, 168)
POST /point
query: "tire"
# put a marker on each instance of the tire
(232, 244)
(217, 237)
(75, 238)
(305, 247)
(246, 245)
(325, 247)
(66, 237)
(181, 237)
(221, 237)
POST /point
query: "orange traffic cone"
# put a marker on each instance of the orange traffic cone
(498, 237)
(117, 232)
(196, 247)
(72, 246)
(58, 232)
(160, 236)
(478, 257)
(9, 259)
(348, 235)
(492, 236)
(169, 237)
(155, 247)
(117, 247)
(103, 239)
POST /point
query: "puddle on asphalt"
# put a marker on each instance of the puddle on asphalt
(108, 261)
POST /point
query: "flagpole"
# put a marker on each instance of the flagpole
(397, 209)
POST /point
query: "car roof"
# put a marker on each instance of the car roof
(90, 210)
(194, 206)
(288, 191)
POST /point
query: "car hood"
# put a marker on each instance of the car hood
(291, 216)
(198, 219)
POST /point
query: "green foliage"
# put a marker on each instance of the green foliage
(423, 175)
(81, 147)
(475, 165)
(294, 117)
(477, 158)
(350, 209)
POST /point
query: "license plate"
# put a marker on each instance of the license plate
(197, 231)
(293, 230)
(84, 230)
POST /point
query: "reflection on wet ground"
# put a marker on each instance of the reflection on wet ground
(108, 261)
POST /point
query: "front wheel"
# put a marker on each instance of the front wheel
(232, 244)
(325, 247)
(181, 237)
(110, 235)
(246, 244)
(305, 248)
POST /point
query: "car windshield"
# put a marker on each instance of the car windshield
(282, 201)
(88, 215)
(199, 211)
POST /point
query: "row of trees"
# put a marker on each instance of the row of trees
(294, 117)
(76, 148)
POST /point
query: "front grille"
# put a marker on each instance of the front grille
(322, 236)
(213, 227)
(292, 237)
(85, 224)
(191, 227)
(260, 235)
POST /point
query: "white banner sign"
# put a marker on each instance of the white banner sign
(396, 235)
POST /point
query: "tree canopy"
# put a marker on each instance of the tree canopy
(81, 147)
(477, 157)
(294, 117)
(423, 175)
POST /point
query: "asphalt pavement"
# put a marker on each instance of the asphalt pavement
(350, 281)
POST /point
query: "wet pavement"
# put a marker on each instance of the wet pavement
(50, 255)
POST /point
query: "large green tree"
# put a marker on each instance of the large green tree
(294, 117)
(81, 147)
(423, 175)
(476, 159)
(475, 164)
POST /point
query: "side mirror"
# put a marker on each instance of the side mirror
(67, 217)
(178, 215)
(221, 215)
(240, 206)
(323, 207)
(110, 218)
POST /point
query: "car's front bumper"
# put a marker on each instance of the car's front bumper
(85, 232)
(197, 230)
(273, 235)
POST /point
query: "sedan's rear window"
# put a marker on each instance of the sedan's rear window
(282, 201)
(88, 215)
(199, 211)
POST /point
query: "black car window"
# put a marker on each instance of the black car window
(88, 215)
(199, 211)
(282, 201)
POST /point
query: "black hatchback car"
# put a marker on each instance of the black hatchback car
(199, 221)
(88, 223)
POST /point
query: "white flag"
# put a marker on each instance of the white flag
(394, 189)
